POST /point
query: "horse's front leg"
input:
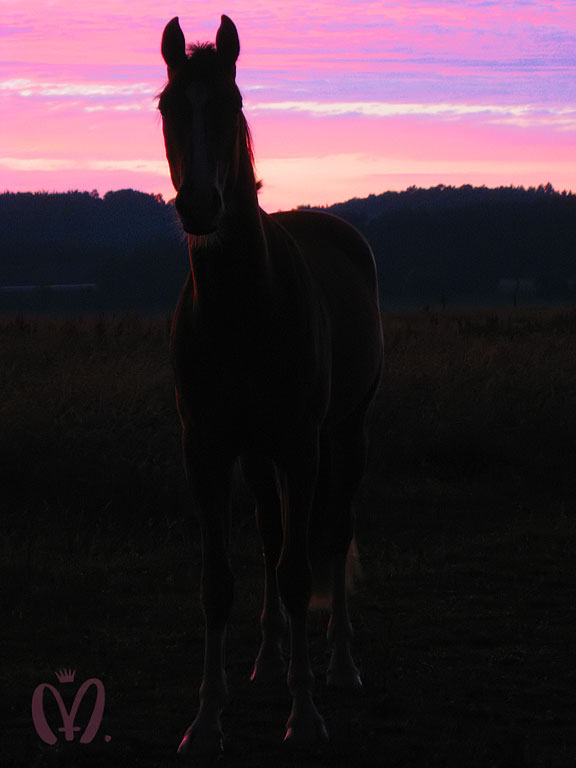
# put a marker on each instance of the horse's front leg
(297, 479)
(260, 475)
(209, 479)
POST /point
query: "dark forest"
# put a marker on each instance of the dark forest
(443, 246)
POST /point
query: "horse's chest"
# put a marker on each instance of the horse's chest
(212, 368)
(233, 370)
(246, 377)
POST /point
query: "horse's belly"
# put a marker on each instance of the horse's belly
(354, 376)
(342, 266)
(356, 348)
(249, 401)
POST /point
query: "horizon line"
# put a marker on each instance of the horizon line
(546, 187)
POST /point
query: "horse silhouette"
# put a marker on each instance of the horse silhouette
(277, 351)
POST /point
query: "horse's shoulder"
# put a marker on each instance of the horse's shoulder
(318, 233)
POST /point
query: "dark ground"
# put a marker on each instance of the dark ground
(466, 616)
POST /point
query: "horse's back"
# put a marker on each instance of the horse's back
(342, 267)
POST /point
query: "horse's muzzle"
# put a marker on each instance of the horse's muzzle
(200, 215)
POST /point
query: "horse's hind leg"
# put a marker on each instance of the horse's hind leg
(260, 476)
(348, 463)
(297, 475)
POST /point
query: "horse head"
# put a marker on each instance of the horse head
(203, 125)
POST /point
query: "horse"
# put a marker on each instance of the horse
(277, 352)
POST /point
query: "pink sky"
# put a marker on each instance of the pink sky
(345, 98)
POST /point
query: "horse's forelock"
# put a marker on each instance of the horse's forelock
(193, 48)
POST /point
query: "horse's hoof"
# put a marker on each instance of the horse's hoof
(201, 742)
(269, 668)
(198, 761)
(306, 734)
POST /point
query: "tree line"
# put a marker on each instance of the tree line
(474, 244)
(442, 245)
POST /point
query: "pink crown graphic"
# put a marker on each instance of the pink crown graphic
(66, 675)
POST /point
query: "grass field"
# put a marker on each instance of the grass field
(466, 616)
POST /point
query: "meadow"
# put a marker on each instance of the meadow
(465, 615)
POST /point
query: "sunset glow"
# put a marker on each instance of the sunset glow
(344, 98)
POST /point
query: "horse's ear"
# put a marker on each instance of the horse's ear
(173, 46)
(227, 42)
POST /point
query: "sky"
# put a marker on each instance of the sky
(345, 98)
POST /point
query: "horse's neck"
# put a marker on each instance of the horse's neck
(232, 266)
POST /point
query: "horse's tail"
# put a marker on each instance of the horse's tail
(321, 563)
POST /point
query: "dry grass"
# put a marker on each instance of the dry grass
(465, 620)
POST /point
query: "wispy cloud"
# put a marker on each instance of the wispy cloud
(518, 114)
(350, 165)
(34, 88)
(143, 165)
(386, 109)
